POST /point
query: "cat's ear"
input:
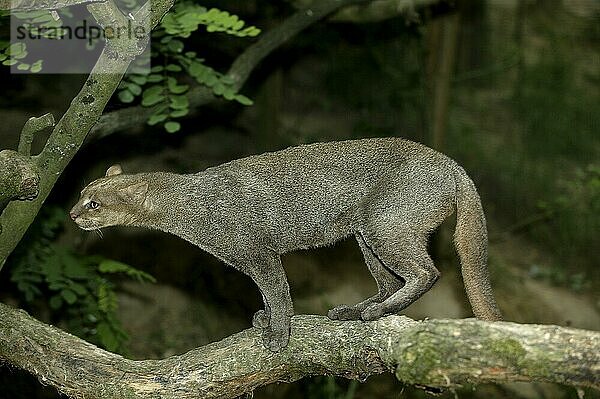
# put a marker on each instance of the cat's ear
(114, 170)
(135, 193)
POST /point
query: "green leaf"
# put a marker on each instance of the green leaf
(172, 126)
(10, 62)
(69, 296)
(178, 113)
(240, 98)
(157, 69)
(78, 288)
(157, 118)
(175, 46)
(126, 96)
(173, 68)
(155, 78)
(113, 266)
(176, 88)
(107, 299)
(138, 79)
(150, 101)
(55, 302)
(231, 21)
(135, 89)
(251, 31)
(211, 80)
(74, 268)
(107, 337)
(219, 88)
(239, 25)
(15, 49)
(36, 66)
(57, 285)
(3, 56)
(199, 71)
(152, 95)
(228, 80)
(179, 102)
(229, 93)
(23, 67)
(20, 56)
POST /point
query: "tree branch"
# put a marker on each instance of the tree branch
(19, 178)
(31, 127)
(437, 354)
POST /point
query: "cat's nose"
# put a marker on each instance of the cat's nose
(73, 215)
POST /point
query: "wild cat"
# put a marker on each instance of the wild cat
(389, 193)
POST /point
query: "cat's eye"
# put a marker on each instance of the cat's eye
(92, 205)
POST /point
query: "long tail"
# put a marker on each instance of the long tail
(470, 239)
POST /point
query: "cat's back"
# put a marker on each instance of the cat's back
(345, 156)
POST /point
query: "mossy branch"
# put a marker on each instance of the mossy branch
(435, 354)
(19, 179)
(31, 127)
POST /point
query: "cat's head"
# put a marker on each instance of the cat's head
(116, 199)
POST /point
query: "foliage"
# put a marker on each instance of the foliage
(79, 289)
(13, 55)
(185, 18)
(162, 88)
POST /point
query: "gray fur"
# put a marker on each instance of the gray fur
(389, 193)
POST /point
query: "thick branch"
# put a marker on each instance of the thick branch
(19, 178)
(435, 353)
(70, 132)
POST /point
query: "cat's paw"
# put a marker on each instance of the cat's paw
(275, 340)
(372, 312)
(261, 319)
(344, 312)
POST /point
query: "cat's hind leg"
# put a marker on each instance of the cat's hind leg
(387, 283)
(407, 258)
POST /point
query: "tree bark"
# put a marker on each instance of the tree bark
(19, 178)
(433, 354)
